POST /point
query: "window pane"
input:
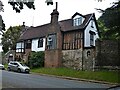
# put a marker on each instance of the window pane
(91, 39)
(40, 43)
(77, 21)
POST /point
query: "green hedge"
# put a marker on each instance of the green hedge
(36, 59)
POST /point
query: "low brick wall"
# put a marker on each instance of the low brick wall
(72, 59)
(52, 58)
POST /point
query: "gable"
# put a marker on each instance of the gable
(67, 25)
(77, 14)
(91, 33)
(78, 19)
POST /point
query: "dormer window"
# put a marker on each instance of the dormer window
(77, 21)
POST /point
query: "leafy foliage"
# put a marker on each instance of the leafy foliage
(111, 20)
(18, 6)
(1, 6)
(3, 26)
(103, 30)
(36, 59)
(10, 38)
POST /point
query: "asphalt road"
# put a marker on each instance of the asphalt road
(21, 80)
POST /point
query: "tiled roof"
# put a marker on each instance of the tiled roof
(35, 32)
(67, 25)
(41, 31)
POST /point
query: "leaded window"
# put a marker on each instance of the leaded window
(40, 43)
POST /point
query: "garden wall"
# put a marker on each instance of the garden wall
(108, 53)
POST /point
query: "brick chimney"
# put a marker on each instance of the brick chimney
(53, 51)
(54, 15)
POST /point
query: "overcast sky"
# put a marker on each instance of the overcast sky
(41, 15)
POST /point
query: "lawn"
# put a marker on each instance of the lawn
(108, 76)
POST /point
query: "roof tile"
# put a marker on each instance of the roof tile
(43, 30)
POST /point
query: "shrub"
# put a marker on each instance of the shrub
(36, 59)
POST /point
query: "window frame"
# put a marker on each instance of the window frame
(91, 38)
(21, 48)
(28, 44)
(51, 41)
(92, 24)
(40, 42)
(77, 21)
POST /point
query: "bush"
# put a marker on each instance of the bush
(36, 59)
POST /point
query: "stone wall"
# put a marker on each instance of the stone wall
(107, 53)
(72, 59)
(89, 59)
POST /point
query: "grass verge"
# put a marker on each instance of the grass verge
(108, 76)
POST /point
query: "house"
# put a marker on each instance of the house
(69, 43)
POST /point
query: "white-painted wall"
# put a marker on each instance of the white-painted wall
(87, 34)
(35, 45)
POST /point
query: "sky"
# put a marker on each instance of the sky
(41, 15)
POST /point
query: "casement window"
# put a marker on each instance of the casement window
(51, 41)
(28, 44)
(20, 47)
(92, 38)
(40, 43)
(77, 21)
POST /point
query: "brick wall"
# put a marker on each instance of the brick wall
(53, 58)
(53, 55)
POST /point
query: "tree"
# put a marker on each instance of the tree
(1, 6)
(10, 38)
(18, 5)
(103, 29)
(2, 26)
(111, 20)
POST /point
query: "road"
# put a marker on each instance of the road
(21, 80)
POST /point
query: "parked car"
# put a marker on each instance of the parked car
(2, 66)
(18, 66)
